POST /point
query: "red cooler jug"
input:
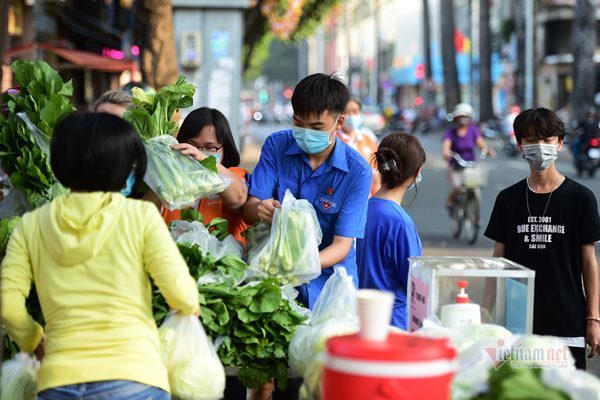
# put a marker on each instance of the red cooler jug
(404, 367)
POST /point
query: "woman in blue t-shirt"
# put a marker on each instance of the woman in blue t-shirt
(390, 234)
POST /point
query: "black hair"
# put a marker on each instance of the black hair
(399, 157)
(96, 153)
(538, 123)
(318, 93)
(202, 117)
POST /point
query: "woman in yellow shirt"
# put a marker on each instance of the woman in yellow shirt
(90, 255)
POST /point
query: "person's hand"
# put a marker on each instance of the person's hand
(266, 209)
(447, 155)
(189, 150)
(39, 351)
(593, 337)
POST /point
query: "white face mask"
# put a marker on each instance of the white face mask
(540, 156)
(418, 180)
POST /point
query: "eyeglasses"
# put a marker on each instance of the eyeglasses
(209, 149)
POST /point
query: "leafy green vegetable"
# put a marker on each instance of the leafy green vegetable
(153, 113)
(256, 321)
(7, 226)
(19, 378)
(292, 250)
(507, 383)
(44, 101)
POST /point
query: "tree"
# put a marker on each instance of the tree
(257, 32)
(520, 32)
(584, 45)
(3, 32)
(154, 34)
(486, 110)
(451, 87)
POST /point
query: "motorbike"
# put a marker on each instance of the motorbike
(588, 159)
(510, 148)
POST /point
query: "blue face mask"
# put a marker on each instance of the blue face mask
(418, 180)
(215, 155)
(128, 185)
(312, 141)
(355, 121)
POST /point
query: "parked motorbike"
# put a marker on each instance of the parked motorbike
(510, 148)
(588, 159)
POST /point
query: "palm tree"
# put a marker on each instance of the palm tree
(451, 87)
(584, 45)
(486, 110)
(154, 33)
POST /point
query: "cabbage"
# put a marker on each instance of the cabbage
(19, 378)
(195, 371)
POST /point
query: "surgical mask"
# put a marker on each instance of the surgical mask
(355, 121)
(416, 183)
(128, 185)
(312, 141)
(215, 155)
(540, 156)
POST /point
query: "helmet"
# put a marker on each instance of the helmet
(463, 110)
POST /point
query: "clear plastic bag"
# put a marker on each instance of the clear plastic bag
(196, 233)
(178, 180)
(19, 378)
(14, 204)
(335, 314)
(579, 385)
(195, 371)
(39, 137)
(292, 250)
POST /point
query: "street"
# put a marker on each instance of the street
(428, 209)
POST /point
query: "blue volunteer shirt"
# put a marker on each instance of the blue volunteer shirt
(338, 190)
(390, 238)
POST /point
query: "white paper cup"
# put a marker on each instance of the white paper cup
(375, 314)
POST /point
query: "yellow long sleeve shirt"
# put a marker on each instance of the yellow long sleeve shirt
(91, 257)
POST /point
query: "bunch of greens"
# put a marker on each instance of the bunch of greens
(176, 179)
(507, 383)
(219, 227)
(256, 234)
(43, 101)
(256, 322)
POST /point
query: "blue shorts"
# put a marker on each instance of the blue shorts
(105, 390)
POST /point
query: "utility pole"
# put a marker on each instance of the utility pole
(470, 34)
(529, 54)
(374, 81)
(428, 97)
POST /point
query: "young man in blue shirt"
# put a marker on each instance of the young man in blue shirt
(313, 165)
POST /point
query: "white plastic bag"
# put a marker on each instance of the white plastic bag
(195, 371)
(579, 385)
(334, 314)
(292, 250)
(178, 180)
(19, 378)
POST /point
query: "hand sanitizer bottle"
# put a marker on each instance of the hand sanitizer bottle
(463, 311)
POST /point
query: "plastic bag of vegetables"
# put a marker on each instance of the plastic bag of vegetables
(178, 180)
(19, 378)
(334, 315)
(292, 251)
(195, 371)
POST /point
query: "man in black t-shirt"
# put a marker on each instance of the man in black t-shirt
(549, 223)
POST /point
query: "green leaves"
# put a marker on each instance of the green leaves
(44, 98)
(256, 320)
(153, 112)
